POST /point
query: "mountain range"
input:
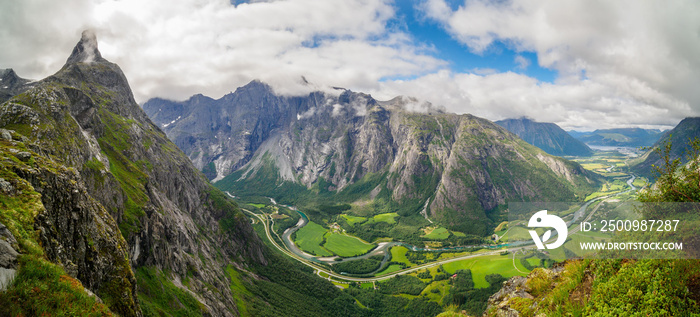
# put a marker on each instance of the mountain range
(101, 214)
(633, 137)
(547, 136)
(340, 146)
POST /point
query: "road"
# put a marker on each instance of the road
(266, 223)
(265, 220)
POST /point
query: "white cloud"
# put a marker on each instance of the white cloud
(620, 63)
(639, 58)
(212, 47)
(521, 62)
(576, 105)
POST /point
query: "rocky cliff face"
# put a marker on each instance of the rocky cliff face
(547, 136)
(11, 84)
(451, 168)
(115, 193)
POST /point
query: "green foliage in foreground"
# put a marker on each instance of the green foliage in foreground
(42, 288)
(625, 287)
(675, 181)
(39, 287)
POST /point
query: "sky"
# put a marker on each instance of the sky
(583, 64)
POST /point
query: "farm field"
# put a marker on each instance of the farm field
(390, 269)
(310, 237)
(398, 254)
(346, 246)
(438, 234)
(352, 220)
(482, 266)
(389, 218)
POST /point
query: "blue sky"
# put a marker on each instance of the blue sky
(500, 57)
(580, 64)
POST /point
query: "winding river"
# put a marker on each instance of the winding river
(384, 247)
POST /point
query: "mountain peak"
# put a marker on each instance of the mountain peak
(7, 72)
(11, 84)
(86, 50)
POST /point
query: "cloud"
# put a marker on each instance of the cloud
(620, 63)
(636, 55)
(212, 47)
(521, 62)
(614, 102)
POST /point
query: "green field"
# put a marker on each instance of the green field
(593, 166)
(438, 234)
(398, 254)
(346, 246)
(639, 182)
(352, 220)
(310, 237)
(459, 234)
(533, 261)
(258, 205)
(389, 218)
(390, 269)
(482, 266)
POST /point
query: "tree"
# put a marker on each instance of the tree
(675, 181)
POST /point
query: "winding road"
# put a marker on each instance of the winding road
(290, 249)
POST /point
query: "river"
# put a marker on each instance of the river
(384, 247)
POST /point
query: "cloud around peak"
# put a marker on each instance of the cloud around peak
(619, 63)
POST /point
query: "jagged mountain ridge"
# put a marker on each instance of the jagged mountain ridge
(455, 168)
(117, 204)
(546, 136)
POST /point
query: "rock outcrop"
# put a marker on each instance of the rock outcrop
(116, 194)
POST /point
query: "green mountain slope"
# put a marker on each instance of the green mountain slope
(687, 130)
(547, 136)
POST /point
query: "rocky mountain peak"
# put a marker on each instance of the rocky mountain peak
(86, 50)
(7, 73)
(11, 84)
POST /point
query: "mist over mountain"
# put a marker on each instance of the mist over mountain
(547, 136)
